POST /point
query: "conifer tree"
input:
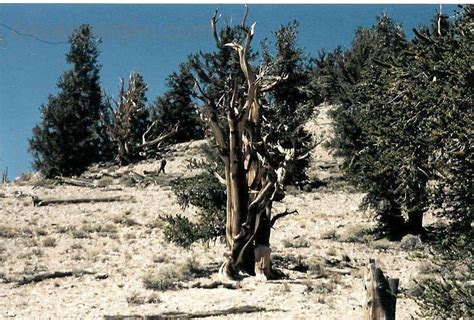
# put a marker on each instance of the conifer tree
(293, 101)
(68, 138)
(127, 118)
(177, 105)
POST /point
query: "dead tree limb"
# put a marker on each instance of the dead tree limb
(52, 275)
(76, 182)
(37, 202)
(281, 215)
(381, 294)
(216, 284)
(185, 315)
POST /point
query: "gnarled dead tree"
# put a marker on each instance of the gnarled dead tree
(126, 122)
(254, 169)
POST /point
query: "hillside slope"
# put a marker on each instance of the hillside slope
(323, 250)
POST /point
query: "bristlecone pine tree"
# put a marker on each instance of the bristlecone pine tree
(68, 138)
(363, 121)
(128, 124)
(254, 169)
(177, 105)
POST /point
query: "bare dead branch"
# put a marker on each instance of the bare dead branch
(281, 215)
(37, 202)
(52, 275)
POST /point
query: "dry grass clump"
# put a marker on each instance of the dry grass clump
(156, 223)
(332, 252)
(382, 244)
(49, 242)
(328, 234)
(161, 258)
(76, 246)
(428, 267)
(125, 220)
(417, 287)
(316, 267)
(8, 232)
(356, 233)
(167, 277)
(298, 242)
(104, 182)
(85, 231)
(323, 287)
(136, 298)
(41, 231)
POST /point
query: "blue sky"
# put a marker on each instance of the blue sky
(150, 39)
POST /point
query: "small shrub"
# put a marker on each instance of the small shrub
(411, 242)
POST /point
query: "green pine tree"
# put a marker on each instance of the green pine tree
(68, 138)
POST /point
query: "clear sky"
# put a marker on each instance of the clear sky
(150, 39)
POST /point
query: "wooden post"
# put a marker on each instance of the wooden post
(381, 294)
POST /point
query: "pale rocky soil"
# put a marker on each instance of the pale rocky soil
(128, 251)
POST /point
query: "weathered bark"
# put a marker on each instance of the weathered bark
(250, 173)
(381, 294)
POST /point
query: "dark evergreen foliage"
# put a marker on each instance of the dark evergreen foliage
(205, 192)
(402, 120)
(293, 101)
(69, 136)
(449, 294)
(177, 105)
(285, 116)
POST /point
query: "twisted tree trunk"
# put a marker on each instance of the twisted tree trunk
(250, 170)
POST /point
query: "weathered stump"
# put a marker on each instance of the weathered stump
(381, 294)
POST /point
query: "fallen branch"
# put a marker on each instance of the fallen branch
(37, 202)
(184, 315)
(52, 275)
(339, 271)
(215, 284)
(76, 182)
